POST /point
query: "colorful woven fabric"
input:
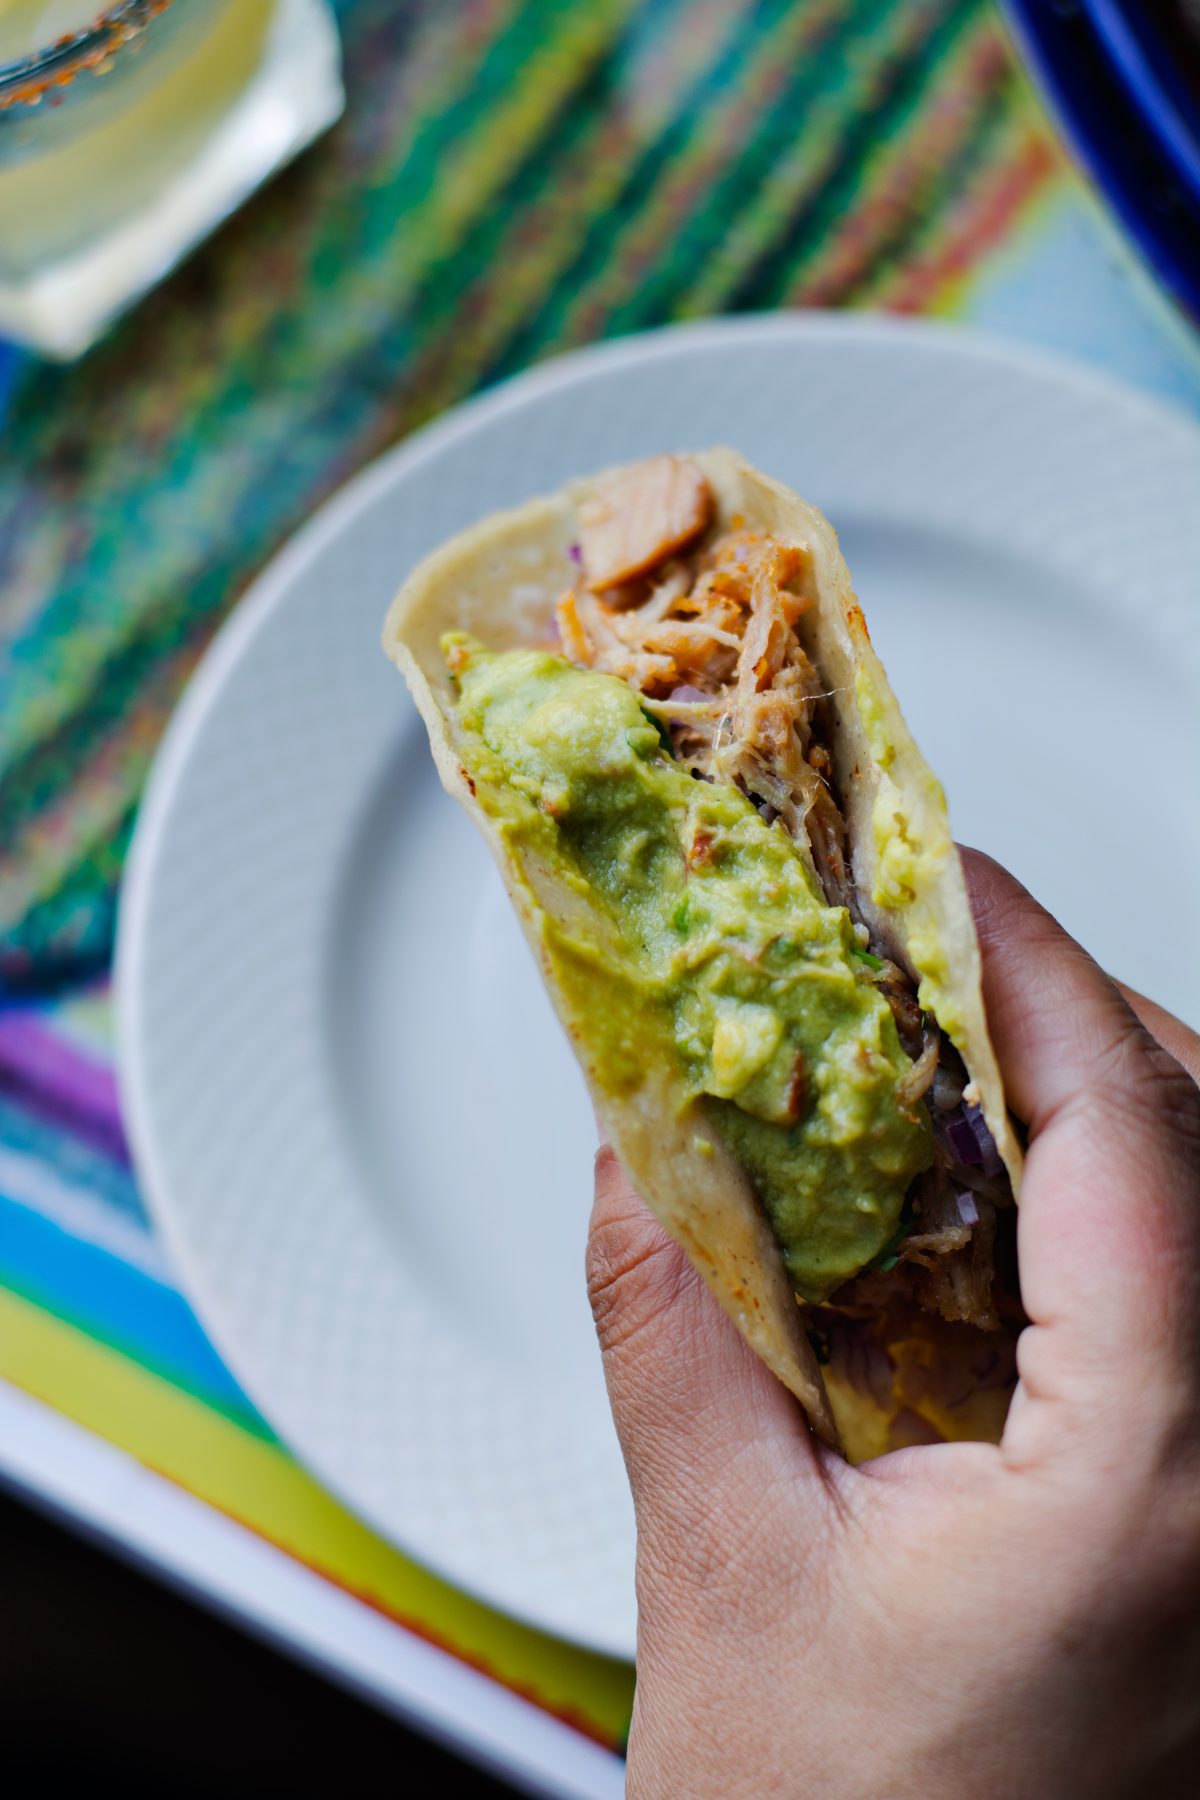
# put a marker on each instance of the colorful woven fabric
(512, 178)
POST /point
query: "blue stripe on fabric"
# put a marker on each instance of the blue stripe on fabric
(111, 1300)
(108, 1182)
(10, 364)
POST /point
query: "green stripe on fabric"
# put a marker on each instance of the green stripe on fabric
(13, 1283)
(71, 929)
(521, 250)
(103, 741)
(974, 151)
(532, 248)
(1000, 131)
(805, 44)
(857, 81)
(924, 158)
(801, 233)
(603, 234)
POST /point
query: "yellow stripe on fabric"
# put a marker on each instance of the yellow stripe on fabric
(1027, 175)
(543, 240)
(85, 817)
(865, 66)
(902, 176)
(489, 155)
(727, 129)
(258, 1484)
(871, 216)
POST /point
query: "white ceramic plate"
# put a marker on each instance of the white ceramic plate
(358, 1125)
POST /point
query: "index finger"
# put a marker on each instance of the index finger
(1109, 1225)
(1182, 1042)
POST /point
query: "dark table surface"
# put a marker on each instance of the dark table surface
(109, 1682)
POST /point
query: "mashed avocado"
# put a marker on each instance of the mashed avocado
(715, 942)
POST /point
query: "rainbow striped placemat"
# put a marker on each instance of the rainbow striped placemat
(513, 177)
(93, 1325)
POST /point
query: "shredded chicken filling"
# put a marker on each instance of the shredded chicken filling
(705, 625)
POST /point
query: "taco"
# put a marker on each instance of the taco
(655, 694)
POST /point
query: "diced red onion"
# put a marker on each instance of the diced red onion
(575, 553)
(689, 695)
(968, 1212)
(990, 1369)
(989, 1157)
(860, 1361)
(964, 1145)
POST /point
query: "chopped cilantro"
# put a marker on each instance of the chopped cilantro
(889, 1256)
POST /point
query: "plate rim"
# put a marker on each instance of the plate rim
(1156, 102)
(269, 590)
(1046, 44)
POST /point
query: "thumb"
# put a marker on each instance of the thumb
(696, 1412)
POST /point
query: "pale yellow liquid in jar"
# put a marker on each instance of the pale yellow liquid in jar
(30, 25)
(49, 202)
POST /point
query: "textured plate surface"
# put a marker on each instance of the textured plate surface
(358, 1125)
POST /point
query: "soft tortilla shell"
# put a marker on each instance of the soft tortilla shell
(499, 580)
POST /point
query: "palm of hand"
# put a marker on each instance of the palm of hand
(957, 1618)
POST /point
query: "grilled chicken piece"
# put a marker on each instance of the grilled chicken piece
(640, 517)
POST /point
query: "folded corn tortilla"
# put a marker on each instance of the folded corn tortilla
(499, 587)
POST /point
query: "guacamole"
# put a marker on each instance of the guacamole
(711, 941)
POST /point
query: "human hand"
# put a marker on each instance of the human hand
(953, 1619)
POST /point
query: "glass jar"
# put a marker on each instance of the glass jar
(128, 133)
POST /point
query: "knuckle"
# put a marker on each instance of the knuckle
(1143, 1516)
(996, 897)
(1179, 1098)
(635, 1273)
(1154, 1563)
(1170, 1513)
(1134, 1078)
